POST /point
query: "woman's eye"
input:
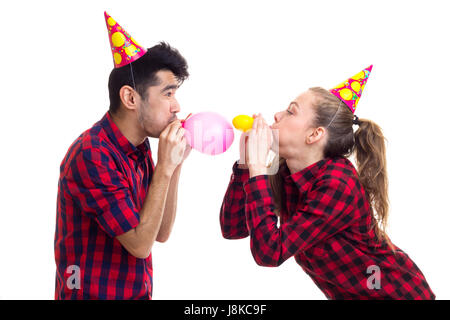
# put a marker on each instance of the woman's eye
(288, 111)
(169, 94)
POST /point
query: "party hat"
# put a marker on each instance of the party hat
(124, 48)
(350, 90)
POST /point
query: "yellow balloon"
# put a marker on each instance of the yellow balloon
(243, 122)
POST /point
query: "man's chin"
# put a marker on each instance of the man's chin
(154, 134)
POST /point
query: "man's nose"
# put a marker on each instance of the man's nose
(175, 106)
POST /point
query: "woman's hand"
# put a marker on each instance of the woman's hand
(258, 147)
(242, 163)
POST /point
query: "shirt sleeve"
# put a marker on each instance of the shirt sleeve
(232, 212)
(327, 209)
(101, 191)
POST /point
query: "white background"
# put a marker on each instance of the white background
(244, 57)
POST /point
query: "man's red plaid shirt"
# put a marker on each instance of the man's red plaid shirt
(102, 186)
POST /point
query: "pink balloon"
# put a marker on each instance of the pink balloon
(208, 132)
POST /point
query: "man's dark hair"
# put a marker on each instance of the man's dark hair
(160, 57)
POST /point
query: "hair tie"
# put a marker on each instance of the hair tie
(356, 120)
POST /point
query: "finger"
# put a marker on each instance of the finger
(180, 133)
(266, 127)
(167, 129)
(255, 123)
(264, 121)
(249, 138)
(268, 133)
(254, 147)
(260, 124)
(242, 141)
(175, 126)
(183, 143)
(165, 132)
(274, 136)
(247, 150)
(269, 136)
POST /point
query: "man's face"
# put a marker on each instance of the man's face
(159, 108)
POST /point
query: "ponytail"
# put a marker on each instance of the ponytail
(370, 155)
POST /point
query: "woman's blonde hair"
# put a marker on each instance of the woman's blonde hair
(367, 143)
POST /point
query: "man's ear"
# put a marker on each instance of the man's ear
(315, 135)
(128, 96)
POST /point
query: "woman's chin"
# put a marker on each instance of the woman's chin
(280, 153)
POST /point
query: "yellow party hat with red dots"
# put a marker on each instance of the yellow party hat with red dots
(350, 90)
(124, 48)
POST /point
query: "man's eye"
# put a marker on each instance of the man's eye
(288, 111)
(169, 94)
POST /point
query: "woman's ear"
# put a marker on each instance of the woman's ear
(128, 97)
(316, 135)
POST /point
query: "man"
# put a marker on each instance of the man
(113, 203)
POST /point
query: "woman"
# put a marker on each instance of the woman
(332, 216)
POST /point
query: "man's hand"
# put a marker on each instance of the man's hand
(170, 207)
(187, 152)
(172, 147)
(158, 211)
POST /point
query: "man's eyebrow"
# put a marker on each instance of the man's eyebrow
(170, 87)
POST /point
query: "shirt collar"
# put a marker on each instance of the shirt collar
(305, 177)
(121, 141)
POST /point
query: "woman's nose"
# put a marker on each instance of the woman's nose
(276, 117)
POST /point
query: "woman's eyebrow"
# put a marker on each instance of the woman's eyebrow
(295, 103)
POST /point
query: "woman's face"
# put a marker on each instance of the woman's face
(294, 125)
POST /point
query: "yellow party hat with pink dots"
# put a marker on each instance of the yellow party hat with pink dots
(351, 89)
(124, 48)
